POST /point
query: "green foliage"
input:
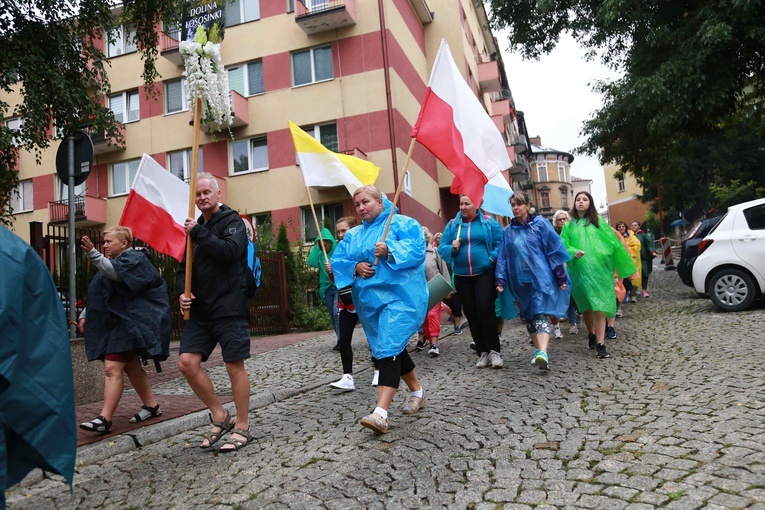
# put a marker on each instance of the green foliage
(55, 65)
(735, 191)
(312, 318)
(687, 109)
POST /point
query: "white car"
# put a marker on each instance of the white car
(730, 267)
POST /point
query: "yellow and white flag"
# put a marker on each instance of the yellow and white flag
(323, 168)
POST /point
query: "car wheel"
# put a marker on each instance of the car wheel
(732, 290)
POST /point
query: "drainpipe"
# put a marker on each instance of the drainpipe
(388, 98)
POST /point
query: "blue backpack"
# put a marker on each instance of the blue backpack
(253, 275)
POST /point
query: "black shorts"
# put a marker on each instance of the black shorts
(233, 335)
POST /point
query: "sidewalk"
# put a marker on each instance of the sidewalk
(166, 386)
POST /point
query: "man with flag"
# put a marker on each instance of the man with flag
(219, 312)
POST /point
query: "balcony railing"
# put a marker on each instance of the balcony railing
(316, 16)
(88, 211)
(169, 46)
(240, 112)
(488, 76)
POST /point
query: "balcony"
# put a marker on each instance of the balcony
(101, 144)
(316, 16)
(488, 76)
(169, 46)
(240, 112)
(520, 170)
(500, 112)
(88, 211)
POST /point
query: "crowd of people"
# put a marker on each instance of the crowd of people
(375, 273)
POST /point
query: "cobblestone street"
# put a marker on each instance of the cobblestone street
(675, 419)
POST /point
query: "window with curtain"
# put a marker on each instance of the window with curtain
(15, 125)
(179, 163)
(313, 65)
(122, 175)
(544, 198)
(249, 155)
(24, 200)
(242, 11)
(175, 96)
(326, 134)
(564, 198)
(121, 41)
(247, 79)
(621, 185)
(124, 106)
(562, 172)
(542, 171)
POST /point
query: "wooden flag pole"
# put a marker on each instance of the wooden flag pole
(398, 193)
(316, 221)
(192, 200)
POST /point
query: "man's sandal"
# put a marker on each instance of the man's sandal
(97, 424)
(237, 444)
(225, 426)
(145, 413)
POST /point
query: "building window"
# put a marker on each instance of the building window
(242, 11)
(122, 175)
(562, 172)
(290, 5)
(249, 155)
(121, 41)
(124, 106)
(326, 134)
(620, 185)
(175, 96)
(63, 190)
(15, 125)
(332, 212)
(316, 5)
(544, 199)
(179, 163)
(24, 201)
(563, 197)
(542, 171)
(261, 219)
(311, 66)
(247, 79)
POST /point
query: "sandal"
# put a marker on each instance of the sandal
(237, 444)
(145, 413)
(97, 424)
(225, 426)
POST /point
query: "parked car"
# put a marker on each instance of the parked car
(689, 248)
(730, 266)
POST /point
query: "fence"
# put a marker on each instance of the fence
(268, 310)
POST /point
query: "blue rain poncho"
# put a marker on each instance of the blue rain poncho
(528, 257)
(592, 275)
(36, 384)
(392, 304)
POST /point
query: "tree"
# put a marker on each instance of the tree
(692, 82)
(52, 58)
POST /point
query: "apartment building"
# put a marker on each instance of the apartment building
(550, 181)
(350, 72)
(623, 195)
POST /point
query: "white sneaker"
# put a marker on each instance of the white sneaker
(483, 360)
(573, 329)
(345, 383)
(619, 311)
(495, 359)
(375, 378)
(556, 332)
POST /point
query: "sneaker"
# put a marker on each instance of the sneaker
(457, 330)
(145, 413)
(610, 333)
(556, 332)
(495, 359)
(573, 329)
(375, 422)
(619, 311)
(592, 341)
(645, 294)
(345, 383)
(433, 351)
(472, 346)
(414, 404)
(541, 360)
(421, 345)
(483, 360)
(633, 299)
(602, 352)
(375, 378)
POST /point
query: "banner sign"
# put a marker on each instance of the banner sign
(210, 14)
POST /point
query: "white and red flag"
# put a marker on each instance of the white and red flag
(456, 129)
(157, 208)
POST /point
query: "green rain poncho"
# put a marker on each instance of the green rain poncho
(592, 275)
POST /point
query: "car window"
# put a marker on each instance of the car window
(717, 224)
(708, 225)
(755, 217)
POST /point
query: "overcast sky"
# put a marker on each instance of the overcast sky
(556, 97)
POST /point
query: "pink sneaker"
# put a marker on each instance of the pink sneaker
(645, 294)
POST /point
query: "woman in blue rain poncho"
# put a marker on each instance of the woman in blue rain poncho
(531, 263)
(391, 298)
(595, 253)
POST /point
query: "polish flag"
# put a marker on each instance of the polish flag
(156, 208)
(456, 129)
